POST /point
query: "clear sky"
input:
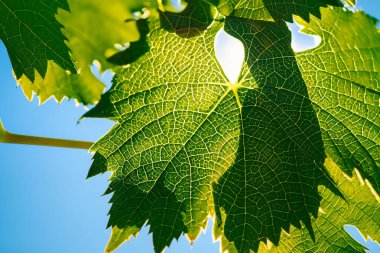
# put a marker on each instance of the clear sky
(46, 205)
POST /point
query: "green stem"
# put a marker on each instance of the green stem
(42, 141)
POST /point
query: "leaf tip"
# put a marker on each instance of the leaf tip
(309, 228)
(119, 237)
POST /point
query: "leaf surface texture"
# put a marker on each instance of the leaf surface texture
(188, 143)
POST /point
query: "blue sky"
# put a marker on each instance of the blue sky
(46, 203)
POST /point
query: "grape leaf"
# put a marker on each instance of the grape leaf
(343, 78)
(360, 208)
(179, 124)
(33, 36)
(271, 10)
(188, 143)
(87, 44)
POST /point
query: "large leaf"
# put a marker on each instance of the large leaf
(271, 10)
(83, 87)
(360, 208)
(343, 78)
(188, 143)
(33, 36)
(181, 125)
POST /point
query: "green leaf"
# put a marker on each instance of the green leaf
(343, 78)
(109, 19)
(33, 36)
(87, 45)
(180, 127)
(188, 143)
(360, 208)
(271, 10)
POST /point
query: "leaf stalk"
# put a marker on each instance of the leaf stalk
(7, 137)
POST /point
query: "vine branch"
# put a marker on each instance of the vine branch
(8, 137)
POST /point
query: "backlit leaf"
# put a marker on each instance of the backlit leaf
(188, 143)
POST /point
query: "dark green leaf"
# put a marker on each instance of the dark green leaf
(32, 36)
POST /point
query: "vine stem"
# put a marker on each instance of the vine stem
(7, 137)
